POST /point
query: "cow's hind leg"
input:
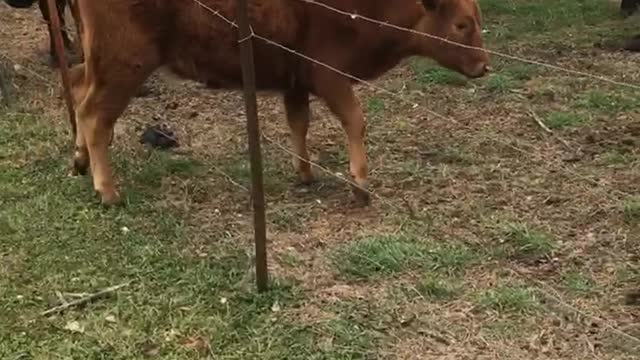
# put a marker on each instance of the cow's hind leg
(78, 92)
(341, 99)
(297, 108)
(44, 9)
(104, 102)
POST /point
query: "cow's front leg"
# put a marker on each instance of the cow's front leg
(297, 107)
(339, 96)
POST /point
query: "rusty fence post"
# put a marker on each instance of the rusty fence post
(62, 61)
(253, 130)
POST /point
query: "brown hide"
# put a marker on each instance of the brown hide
(124, 41)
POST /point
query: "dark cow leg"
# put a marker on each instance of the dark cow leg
(628, 7)
(297, 108)
(338, 93)
(44, 9)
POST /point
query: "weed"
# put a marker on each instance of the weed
(631, 209)
(578, 283)
(528, 242)
(429, 75)
(437, 288)
(510, 299)
(559, 120)
(379, 255)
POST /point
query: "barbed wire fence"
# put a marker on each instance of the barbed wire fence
(545, 289)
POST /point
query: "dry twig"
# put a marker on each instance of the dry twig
(86, 299)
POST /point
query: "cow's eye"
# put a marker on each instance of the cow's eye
(463, 26)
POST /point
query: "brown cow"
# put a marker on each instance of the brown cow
(125, 41)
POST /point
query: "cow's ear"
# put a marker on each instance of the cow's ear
(431, 4)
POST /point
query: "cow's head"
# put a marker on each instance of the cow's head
(21, 4)
(458, 21)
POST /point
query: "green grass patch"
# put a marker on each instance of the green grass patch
(434, 287)
(452, 258)
(510, 299)
(500, 83)
(560, 120)
(524, 241)
(427, 74)
(617, 158)
(605, 102)
(377, 255)
(631, 210)
(578, 284)
(515, 19)
(375, 106)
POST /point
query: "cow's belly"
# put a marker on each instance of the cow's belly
(205, 49)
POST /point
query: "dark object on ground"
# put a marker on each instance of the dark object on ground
(633, 298)
(159, 136)
(632, 44)
(628, 7)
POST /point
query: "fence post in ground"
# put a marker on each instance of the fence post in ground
(253, 130)
(62, 61)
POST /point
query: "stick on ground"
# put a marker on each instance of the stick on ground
(84, 300)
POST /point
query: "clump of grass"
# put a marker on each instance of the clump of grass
(451, 258)
(521, 72)
(578, 283)
(631, 211)
(379, 255)
(527, 242)
(616, 157)
(426, 74)
(437, 288)
(499, 83)
(559, 120)
(375, 105)
(607, 102)
(510, 299)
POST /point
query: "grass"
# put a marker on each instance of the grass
(438, 288)
(428, 74)
(377, 255)
(498, 83)
(422, 271)
(527, 242)
(560, 120)
(604, 102)
(510, 299)
(632, 211)
(579, 284)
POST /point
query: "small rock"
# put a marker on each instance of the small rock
(74, 326)
(159, 136)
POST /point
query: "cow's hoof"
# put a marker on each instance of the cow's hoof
(110, 198)
(80, 166)
(306, 179)
(361, 195)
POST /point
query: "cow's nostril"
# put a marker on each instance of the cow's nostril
(487, 68)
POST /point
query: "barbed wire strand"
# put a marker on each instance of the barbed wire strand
(557, 298)
(355, 16)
